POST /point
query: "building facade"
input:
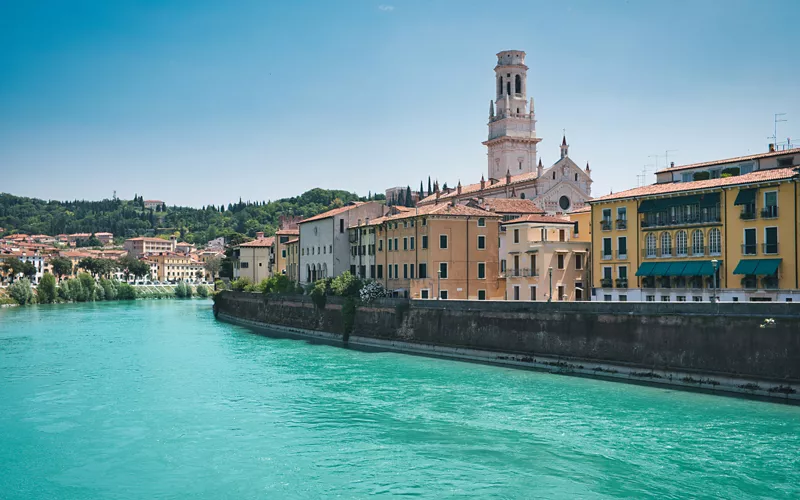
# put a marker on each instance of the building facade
(734, 237)
(142, 245)
(282, 237)
(255, 260)
(293, 259)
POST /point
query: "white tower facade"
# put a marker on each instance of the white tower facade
(512, 125)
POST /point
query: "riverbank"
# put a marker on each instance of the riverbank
(749, 350)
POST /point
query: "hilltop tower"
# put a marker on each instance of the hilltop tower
(512, 125)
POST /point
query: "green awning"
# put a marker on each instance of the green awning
(745, 197)
(675, 269)
(645, 269)
(692, 268)
(746, 266)
(660, 269)
(650, 206)
(767, 267)
(664, 204)
(707, 268)
(709, 200)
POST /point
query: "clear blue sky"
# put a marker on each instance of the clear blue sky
(198, 102)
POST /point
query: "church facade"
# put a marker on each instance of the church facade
(514, 169)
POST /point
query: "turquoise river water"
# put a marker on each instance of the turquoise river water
(157, 400)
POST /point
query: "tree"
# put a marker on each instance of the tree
(401, 199)
(28, 270)
(409, 199)
(430, 190)
(61, 266)
(131, 266)
(13, 267)
(46, 291)
(89, 264)
(88, 285)
(421, 192)
(21, 292)
(213, 266)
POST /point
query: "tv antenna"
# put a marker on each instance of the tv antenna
(641, 179)
(775, 128)
(666, 156)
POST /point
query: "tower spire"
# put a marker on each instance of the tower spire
(564, 146)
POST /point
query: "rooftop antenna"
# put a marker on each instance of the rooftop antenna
(775, 128)
(643, 175)
(666, 156)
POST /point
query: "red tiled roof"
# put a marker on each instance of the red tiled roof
(510, 206)
(775, 174)
(295, 240)
(475, 188)
(288, 231)
(445, 209)
(731, 160)
(145, 238)
(331, 213)
(587, 208)
(542, 219)
(260, 242)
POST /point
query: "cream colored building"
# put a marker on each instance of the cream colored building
(255, 260)
(293, 259)
(544, 259)
(173, 267)
(143, 245)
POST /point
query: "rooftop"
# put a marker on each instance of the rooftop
(260, 242)
(582, 210)
(335, 211)
(539, 219)
(775, 174)
(476, 188)
(510, 206)
(288, 231)
(442, 209)
(759, 156)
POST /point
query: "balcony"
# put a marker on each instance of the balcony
(622, 282)
(605, 225)
(522, 272)
(666, 221)
(749, 249)
(622, 224)
(769, 248)
(607, 256)
(769, 282)
(769, 212)
(747, 215)
(622, 255)
(749, 282)
(605, 283)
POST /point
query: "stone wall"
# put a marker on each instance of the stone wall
(723, 339)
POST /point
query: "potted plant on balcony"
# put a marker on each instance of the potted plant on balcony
(622, 282)
(605, 283)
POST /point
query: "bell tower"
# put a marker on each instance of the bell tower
(512, 124)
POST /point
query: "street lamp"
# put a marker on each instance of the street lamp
(715, 265)
(550, 273)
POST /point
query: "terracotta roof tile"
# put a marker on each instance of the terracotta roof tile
(288, 231)
(335, 211)
(260, 242)
(475, 188)
(445, 209)
(510, 205)
(295, 240)
(677, 187)
(587, 208)
(542, 219)
(731, 160)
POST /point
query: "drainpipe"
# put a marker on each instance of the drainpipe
(796, 279)
(724, 283)
(468, 217)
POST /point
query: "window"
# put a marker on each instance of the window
(560, 292)
(380, 245)
(341, 225)
(503, 265)
(481, 270)
(607, 248)
(680, 243)
(749, 247)
(423, 270)
(390, 271)
(578, 261)
(245, 265)
(481, 294)
(681, 298)
(607, 297)
(623, 298)
(622, 247)
(575, 228)
(424, 241)
(411, 241)
(533, 293)
(650, 245)
(390, 244)
(687, 177)
(283, 253)
(770, 205)
(396, 272)
(424, 221)
(697, 242)
(481, 222)
(666, 244)
(353, 269)
(412, 220)
(405, 271)
(396, 244)
(770, 240)
(516, 292)
(372, 271)
(562, 235)
(745, 168)
(380, 271)
(607, 217)
(443, 270)
(560, 260)
(622, 213)
(443, 294)
(481, 242)
(424, 294)
(714, 242)
(650, 298)
(516, 235)
(665, 298)
(622, 272)
(405, 243)
(607, 271)
(405, 223)
(411, 271)
(443, 241)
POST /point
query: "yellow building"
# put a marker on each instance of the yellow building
(663, 242)
(172, 267)
(282, 237)
(255, 260)
(545, 259)
(292, 248)
(440, 250)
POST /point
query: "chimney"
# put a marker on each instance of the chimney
(436, 201)
(672, 164)
(772, 148)
(260, 235)
(483, 183)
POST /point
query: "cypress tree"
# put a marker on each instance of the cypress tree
(409, 199)
(430, 190)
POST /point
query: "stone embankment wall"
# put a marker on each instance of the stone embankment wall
(725, 346)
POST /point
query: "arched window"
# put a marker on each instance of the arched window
(554, 175)
(714, 242)
(508, 88)
(650, 245)
(518, 84)
(325, 270)
(576, 177)
(308, 272)
(500, 86)
(680, 243)
(697, 242)
(666, 244)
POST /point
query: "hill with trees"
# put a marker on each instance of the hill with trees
(130, 218)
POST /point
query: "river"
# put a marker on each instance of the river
(156, 399)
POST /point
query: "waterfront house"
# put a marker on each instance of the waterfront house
(282, 237)
(255, 259)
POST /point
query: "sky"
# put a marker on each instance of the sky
(202, 102)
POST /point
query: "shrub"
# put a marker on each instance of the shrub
(63, 290)
(372, 291)
(126, 292)
(730, 172)
(46, 292)
(88, 286)
(183, 291)
(241, 284)
(21, 291)
(219, 285)
(319, 294)
(701, 176)
(109, 288)
(346, 285)
(202, 291)
(348, 316)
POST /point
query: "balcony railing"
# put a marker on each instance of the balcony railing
(605, 283)
(749, 282)
(622, 254)
(680, 220)
(607, 256)
(749, 249)
(769, 212)
(622, 224)
(522, 272)
(605, 225)
(769, 248)
(747, 215)
(622, 282)
(769, 282)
